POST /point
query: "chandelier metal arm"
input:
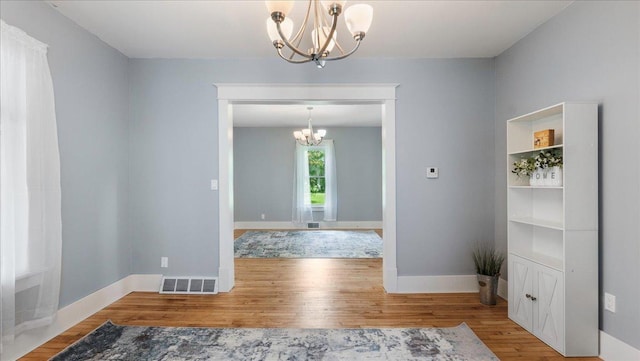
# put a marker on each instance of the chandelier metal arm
(345, 55)
(290, 60)
(303, 27)
(334, 24)
(289, 45)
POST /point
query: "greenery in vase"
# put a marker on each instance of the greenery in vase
(545, 159)
(548, 159)
(487, 260)
(524, 167)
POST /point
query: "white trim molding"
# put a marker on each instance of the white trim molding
(612, 349)
(305, 92)
(323, 225)
(445, 284)
(229, 94)
(503, 289)
(437, 284)
(76, 312)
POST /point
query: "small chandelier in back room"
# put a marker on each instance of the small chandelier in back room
(307, 136)
(320, 27)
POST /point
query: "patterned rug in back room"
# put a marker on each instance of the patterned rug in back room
(309, 244)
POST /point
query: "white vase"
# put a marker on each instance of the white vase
(544, 175)
(536, 179)
(554, 177)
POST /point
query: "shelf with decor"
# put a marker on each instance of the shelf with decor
(534, 187)
(552, 228)
(533, 150)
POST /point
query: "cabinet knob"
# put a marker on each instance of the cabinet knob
(533, 298)
(527, 295)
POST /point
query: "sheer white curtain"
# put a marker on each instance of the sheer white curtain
(331, 184)
(30, 208)
(302, 211)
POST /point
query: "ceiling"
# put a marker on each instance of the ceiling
(236, 29)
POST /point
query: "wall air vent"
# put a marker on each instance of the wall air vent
(189, 285)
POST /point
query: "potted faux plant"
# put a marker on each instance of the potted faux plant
(549, 165)
(488, 263)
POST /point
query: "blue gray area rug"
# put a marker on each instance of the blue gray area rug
(114, 342)
(309, 244)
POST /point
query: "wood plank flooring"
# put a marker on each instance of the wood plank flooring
(315, 293)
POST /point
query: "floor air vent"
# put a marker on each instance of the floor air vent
(313, 225)
(189, 285)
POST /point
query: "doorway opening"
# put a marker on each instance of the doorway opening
(230, 94)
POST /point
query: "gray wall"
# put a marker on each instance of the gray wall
(589, 52)
(92, 99)
(263, 173)
(444, 118)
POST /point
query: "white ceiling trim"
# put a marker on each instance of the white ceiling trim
(335, 105)
(319, 92)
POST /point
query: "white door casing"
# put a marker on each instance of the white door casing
(228, 94)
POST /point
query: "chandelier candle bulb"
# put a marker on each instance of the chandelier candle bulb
(331, 4)
(283, 6)
(358, 18)
(272, 29)
(322, 36)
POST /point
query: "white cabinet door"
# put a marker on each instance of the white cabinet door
(548, 315)
(520, 285)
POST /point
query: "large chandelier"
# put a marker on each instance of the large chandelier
(307, 136)
(323, 34)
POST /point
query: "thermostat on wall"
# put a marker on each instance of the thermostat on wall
(432, 172)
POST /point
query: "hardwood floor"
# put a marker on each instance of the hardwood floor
(315, 293)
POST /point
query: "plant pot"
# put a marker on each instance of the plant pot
(537, 178)
(554, 177)
(488, 289)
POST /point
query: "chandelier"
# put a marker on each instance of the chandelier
(323, 34)
(307, 136)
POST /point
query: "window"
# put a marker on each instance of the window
(30, 211)
(315, 185)
(317, 179)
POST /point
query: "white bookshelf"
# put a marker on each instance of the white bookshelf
(553, 231)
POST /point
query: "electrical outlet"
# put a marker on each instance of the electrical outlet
(164, 262)
(263, 216)
(609, 302)
(432, 172)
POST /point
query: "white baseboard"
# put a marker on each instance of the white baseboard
(323, 225)
(390, 279)
(74, 313)
(503, 291)
(437, 284)
(612, 349)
